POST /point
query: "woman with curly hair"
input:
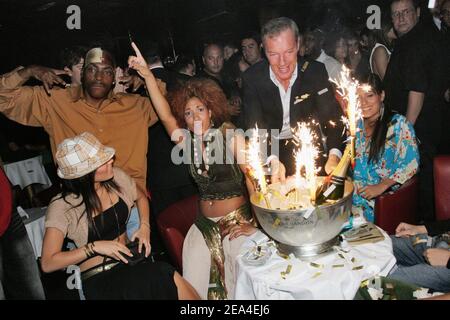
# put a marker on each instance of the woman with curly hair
(213, 242)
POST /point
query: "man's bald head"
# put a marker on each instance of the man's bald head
(213, 59)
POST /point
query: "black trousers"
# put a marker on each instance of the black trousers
(19, 272)
(144, 281)
(427, 153)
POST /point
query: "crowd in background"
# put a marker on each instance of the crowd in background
(409, 53)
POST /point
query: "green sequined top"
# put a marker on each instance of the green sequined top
(215, 178)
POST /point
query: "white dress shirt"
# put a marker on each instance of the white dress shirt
(285, 95)
(333, 67)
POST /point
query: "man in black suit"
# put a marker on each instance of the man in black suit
(415, 84)
(283, 91)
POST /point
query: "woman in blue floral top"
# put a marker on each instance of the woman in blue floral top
(386, 149)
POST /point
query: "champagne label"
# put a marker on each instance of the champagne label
(308, 213)
(329, 190)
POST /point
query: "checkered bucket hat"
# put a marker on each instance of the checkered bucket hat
(81, 155)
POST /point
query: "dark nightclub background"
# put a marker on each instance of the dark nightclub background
(34, 31)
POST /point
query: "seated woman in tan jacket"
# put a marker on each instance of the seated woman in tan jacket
(92, 211)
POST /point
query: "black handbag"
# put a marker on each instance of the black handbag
(137, 257)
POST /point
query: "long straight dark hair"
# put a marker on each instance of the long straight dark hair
(378, 139)
(84, 188)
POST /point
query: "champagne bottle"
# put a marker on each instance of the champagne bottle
(332, 187)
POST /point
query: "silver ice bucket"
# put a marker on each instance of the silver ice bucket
(305, 237)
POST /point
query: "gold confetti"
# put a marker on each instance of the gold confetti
(288, 269)
(277, 222)
(316, 275)
(284, 273)
(284, 256)
(338, 265)
(358, 268)
(271, 244)
(353, 260)
(341, 255)
(315, 265)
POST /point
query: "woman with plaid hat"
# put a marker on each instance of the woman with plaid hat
(93, 210)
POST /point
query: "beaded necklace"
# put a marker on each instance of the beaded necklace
(199, 156)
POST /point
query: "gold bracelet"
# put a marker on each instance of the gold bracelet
(92, 249)
(91, 253)
(86, 251)
(89, 250)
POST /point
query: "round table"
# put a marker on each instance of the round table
(26, 172)
(35, 226)
(333, 276)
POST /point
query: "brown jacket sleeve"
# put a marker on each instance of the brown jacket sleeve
(127, 185)
(55, 216)
(149, 111)
(26, 105)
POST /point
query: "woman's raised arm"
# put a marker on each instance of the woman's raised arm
(160, 103)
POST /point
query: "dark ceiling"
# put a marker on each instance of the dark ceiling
(34, 31)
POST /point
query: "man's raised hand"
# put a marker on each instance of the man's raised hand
(48, 76)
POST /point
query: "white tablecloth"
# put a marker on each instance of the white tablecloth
(26, 172)
(35, 228)
(303, 282)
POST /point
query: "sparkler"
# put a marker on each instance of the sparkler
(305, 157)
(347, 88)
(256, 172)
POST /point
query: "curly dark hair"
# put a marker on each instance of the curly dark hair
(72, 56)
(207, 91)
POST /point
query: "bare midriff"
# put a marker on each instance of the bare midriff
(219, 208)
